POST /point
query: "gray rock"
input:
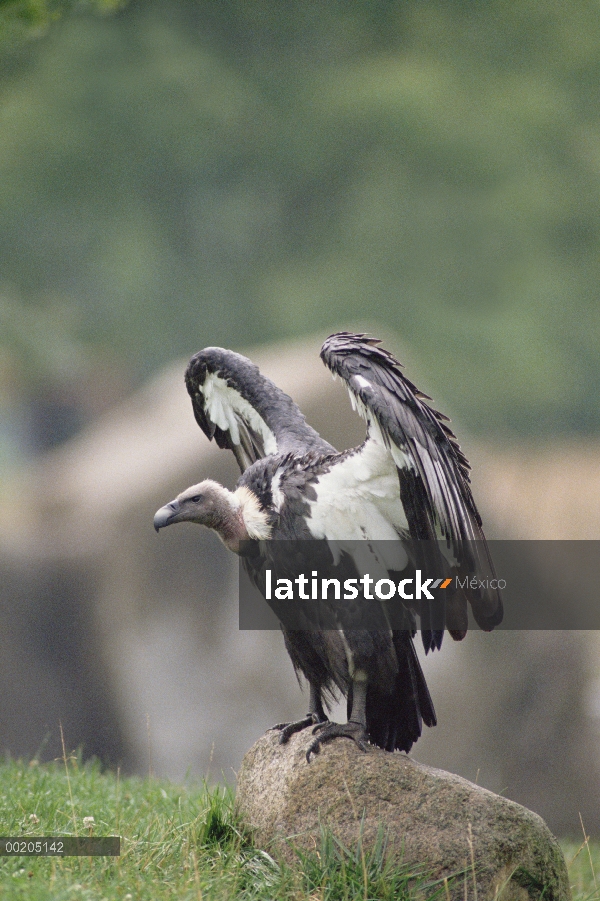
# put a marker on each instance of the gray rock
(434, 820)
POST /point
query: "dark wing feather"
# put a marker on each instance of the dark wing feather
(433, 471)
(244, 411)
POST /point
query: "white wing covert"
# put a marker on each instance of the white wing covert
(245, 411)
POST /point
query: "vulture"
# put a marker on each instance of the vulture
(399, 501)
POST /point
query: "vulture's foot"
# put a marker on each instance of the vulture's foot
(329, 731)
(289, 729)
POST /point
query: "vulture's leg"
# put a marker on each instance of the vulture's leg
(316, 715)
(355, 728)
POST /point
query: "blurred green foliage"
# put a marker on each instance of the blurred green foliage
(184, 173)
(23, 19)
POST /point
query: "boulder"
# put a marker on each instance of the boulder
(486, 846)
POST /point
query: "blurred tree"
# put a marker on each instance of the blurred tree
(22, 19)
(188, 173)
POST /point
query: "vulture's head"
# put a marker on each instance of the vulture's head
(207, 503)
(235, 515)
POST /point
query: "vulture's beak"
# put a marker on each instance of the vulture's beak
(165, 515)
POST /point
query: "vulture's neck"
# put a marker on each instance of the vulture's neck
(242, 519)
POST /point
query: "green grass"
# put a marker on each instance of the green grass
(583, 861)
(184, 842)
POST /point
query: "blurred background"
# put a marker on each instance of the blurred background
(180, 173)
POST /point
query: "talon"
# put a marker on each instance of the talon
(287, 733)
(289, 729)
(321, 726)
(329, 731)
(313, 748)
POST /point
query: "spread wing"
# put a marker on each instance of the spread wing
(434, 497)
(245, 411)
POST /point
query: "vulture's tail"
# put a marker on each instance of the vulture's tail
(395, 720)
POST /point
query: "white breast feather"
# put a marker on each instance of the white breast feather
(255, 519)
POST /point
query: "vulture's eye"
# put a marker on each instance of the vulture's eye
(196, 498)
